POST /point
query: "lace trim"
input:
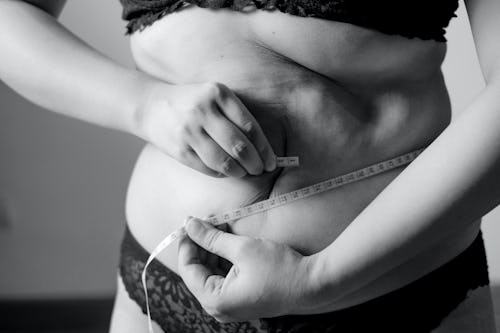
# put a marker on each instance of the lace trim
(425, 20)
(172, 305)
(175, 309)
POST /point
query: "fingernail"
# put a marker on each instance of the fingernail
(271, 164)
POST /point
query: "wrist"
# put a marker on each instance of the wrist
(137, 104)
(151, 104)
(317, 286)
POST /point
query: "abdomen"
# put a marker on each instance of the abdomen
(312, 106)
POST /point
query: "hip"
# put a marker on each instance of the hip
(438, 301)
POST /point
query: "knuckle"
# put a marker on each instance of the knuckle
(215, 89)
(227, 165)
(203, 114)
(184, 153)
(240, 149)
(249, 129)
(213, 285)
(211, 240)
(197, 112)
(183, 131)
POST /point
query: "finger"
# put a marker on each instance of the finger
(215, 158)
(221, 265)
(190, 158)
(188, 252)
(199, 279)
(210, 260)
(232, 140)
(234, 109)
(221, 243)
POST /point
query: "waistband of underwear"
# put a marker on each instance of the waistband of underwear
(441, 290)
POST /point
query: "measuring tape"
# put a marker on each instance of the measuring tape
(280, 200)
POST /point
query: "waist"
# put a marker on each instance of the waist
(307, 225)
(414, 292)
(163, 192)
(332, 126)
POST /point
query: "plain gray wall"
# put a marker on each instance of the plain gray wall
(64, 182)
(464, 79)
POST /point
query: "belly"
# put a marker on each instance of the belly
(338, 96)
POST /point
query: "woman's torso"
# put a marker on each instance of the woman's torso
(337, 95)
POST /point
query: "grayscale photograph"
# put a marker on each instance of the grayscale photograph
(249, 166)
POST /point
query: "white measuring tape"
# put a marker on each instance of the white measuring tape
(280, 200)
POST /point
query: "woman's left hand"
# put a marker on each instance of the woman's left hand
(266, 279)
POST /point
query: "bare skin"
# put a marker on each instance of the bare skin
(323, 101)
(337, 95)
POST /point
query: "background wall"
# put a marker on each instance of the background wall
(63, 182)
(464, 79)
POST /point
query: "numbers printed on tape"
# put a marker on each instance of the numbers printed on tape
(290, 161)
(283, 199)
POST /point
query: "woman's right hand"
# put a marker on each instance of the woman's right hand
(206, 127)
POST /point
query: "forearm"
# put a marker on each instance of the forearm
(450, 185)
(51, 67)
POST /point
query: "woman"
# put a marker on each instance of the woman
(219, 93)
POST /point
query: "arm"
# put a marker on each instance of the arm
(51, 67)
(452, 184)
(204, 126)
(447, 188)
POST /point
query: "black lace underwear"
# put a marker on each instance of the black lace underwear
(417, 307)
(425, 19)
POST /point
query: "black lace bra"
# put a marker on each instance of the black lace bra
(425, 19)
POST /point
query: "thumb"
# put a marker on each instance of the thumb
(221, 243)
